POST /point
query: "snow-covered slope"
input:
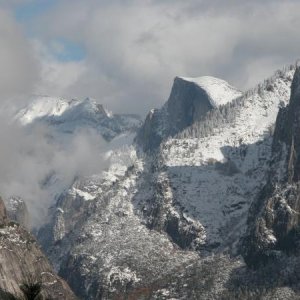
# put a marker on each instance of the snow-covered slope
(67, 116)
(192, 191)
(215, 176)
(214, 168)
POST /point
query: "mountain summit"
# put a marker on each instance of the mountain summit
(189, 101)
(219, 91)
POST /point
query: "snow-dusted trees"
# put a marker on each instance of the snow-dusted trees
(213, 119)
(225, 114)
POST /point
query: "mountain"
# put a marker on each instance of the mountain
(24, 265)
(189, 101)
(166, 218)
(67, 116)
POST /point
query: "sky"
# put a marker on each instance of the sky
(126, 53)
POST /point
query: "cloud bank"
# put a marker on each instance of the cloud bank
(38, 167)
(134, 49)
(19, 67)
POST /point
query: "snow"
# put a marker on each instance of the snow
(85, 195)
(43, 106)
(60, 210)
(219, 91)
(65, 117)
(12, 234)
(117, 275)
(14, 203)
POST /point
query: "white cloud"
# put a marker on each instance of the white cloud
(18, 66)
(11, 3)
(57, 78)
(135, 48)
(29, 157)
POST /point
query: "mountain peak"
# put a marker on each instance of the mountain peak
(218, 90)
(190, 100)
(66, 116)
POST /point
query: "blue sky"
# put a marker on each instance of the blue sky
(25, 13)
(68, 50)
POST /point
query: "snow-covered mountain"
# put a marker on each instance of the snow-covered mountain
(182, 192)
(67, 116)
(221, 169)
(189, 101)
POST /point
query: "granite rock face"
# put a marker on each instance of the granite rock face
(22, 262)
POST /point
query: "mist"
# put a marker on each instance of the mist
(37, 167)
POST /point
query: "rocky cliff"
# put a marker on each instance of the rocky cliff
(274, 217)
(22, 264)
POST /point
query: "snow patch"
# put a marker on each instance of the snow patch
(85, 195)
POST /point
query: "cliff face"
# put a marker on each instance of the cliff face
(22, 262)
(187, 104)
(273, 224)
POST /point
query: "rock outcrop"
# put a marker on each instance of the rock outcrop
(23, 263)
(17, 211)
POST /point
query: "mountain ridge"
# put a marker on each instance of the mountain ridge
(66, 116)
